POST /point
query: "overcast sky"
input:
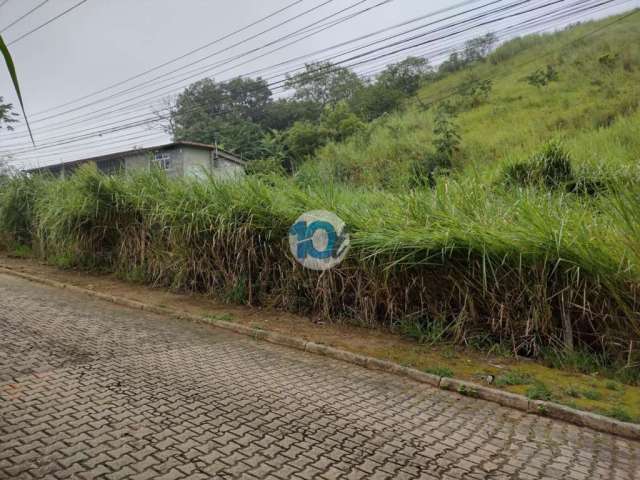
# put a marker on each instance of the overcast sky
(102, 42)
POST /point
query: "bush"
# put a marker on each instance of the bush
(425, 171)
(265, 166)
(543, 77)
(551, 167)
(474, 92)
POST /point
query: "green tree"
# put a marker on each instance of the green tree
(339, 122)
(302, 140)
(375, 100)
(478, 48)
(283, 113)
(394, 84)
(474, 50)
(324, 83)
(405, 76)
(7, 116)
(248, 98)
(228, 113)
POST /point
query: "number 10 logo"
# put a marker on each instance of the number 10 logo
(319, 240)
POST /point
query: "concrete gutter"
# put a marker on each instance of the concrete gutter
(469, 389)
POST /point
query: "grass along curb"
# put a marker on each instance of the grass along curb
(469, 389)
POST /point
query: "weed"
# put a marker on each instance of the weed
(538, 391)
(21, 251)
(449, 353)
(611, 385)
(572, 391)
(513, 378)
(620, 413)
(224, 317)
(440, 371)
(551, 167)
(238, 292)
(591, 394)
(425, 331)
(468, 391)
(65, 260)
(582, 361)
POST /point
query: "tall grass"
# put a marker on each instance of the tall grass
(515, 265)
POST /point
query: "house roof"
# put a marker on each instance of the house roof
(203, 146)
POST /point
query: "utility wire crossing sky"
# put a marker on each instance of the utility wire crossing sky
(95, 75)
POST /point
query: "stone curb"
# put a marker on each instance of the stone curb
(469, 389)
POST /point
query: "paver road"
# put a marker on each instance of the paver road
(91, 390)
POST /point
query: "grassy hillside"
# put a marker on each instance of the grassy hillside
(592, 107)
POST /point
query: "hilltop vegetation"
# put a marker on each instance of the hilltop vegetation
(495, 204)
(504, 109)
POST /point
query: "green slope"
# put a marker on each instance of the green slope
(592, 107)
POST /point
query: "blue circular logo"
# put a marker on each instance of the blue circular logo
(319, 240)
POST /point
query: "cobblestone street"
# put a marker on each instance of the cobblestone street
(92, 390)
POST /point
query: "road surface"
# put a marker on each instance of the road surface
(91, 390)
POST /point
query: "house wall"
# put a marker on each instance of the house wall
(185, 161)
(144, 161)
(196, 162)
(138, 161)
(227, 170)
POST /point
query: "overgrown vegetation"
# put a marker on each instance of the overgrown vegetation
(461, 261)
(501, 215)
(589, 105)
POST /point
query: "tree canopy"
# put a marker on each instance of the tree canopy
(327, 102)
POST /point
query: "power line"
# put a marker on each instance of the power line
(228, 60)
(147, 122)
(427, 24)
(30, 32)
(54, 144)
(84, 116)
(576, 40)
(359, 2)
(176, 59)
(23, 16)
(121, 127)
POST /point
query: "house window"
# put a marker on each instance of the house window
(162, 160)
(111, 166)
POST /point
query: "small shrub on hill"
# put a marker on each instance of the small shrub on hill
(425, 170)
(474, 92)
(543, 77)
(447, 138)
(446, 143)
(551, 167)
